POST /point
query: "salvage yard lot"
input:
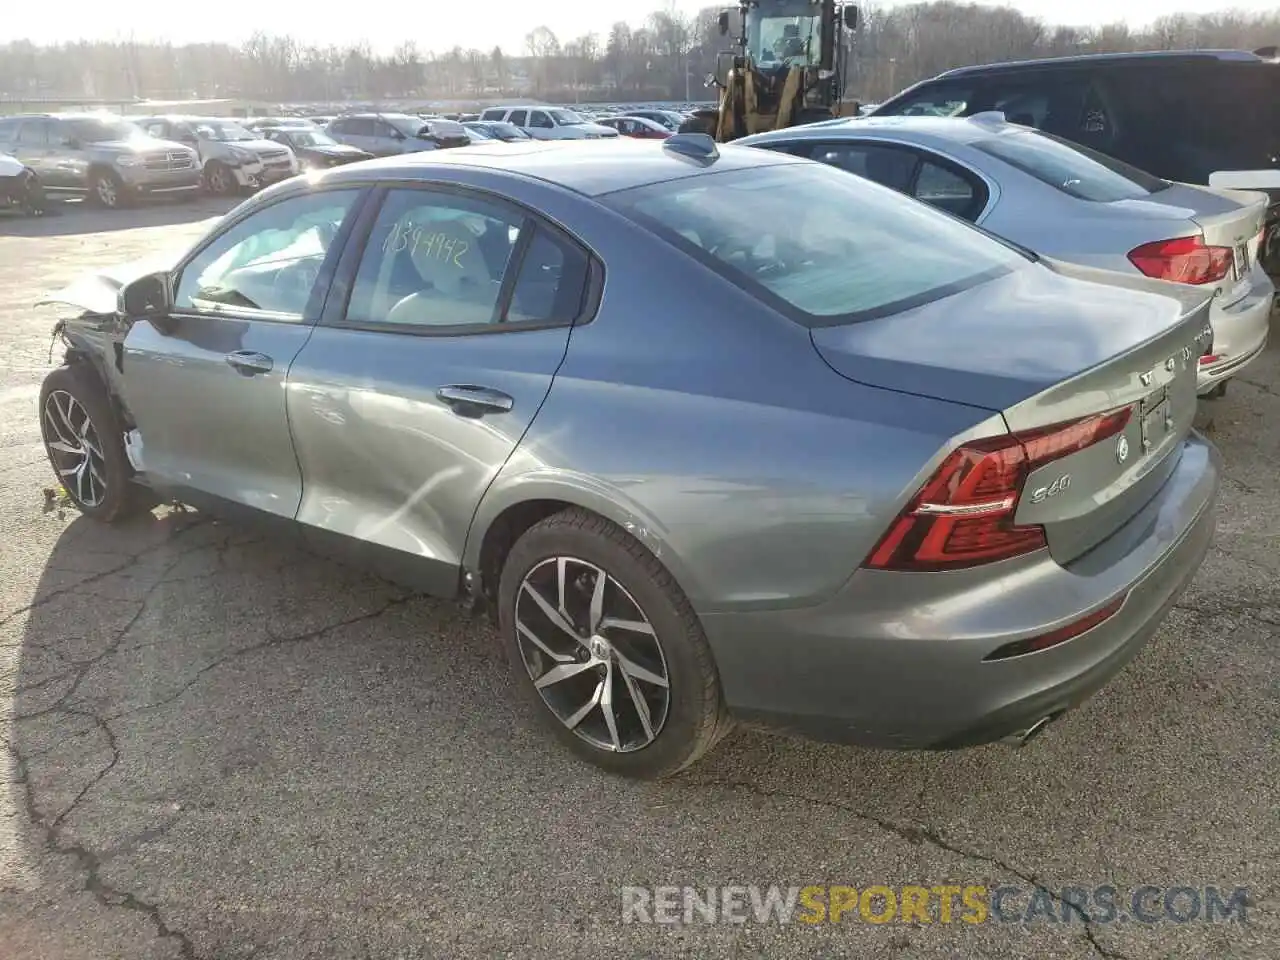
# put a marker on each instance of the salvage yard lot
(217, 747)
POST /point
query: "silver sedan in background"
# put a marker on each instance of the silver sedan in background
(1067, 201)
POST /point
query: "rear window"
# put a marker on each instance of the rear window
(819, 245)
(1074, 169)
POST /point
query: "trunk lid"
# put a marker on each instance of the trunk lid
(1046, 346)
(1235, 221)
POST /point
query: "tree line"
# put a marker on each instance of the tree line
(666, 57)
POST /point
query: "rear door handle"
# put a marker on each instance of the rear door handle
(469, 400)
(249, 363)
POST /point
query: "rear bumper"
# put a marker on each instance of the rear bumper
(896, 660)
(1240, 332)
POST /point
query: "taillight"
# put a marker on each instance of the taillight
(1182, 260)
(963, 516)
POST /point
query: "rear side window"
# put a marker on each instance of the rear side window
(359, 127)
(8, 129)
(887, 165)
(1075, 170)
(493, 114)
(520, 117)
(817, 244)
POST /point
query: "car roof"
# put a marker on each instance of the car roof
(920, 130)
(1101, 59)
(590, 167)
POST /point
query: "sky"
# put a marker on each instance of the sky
(441, 24)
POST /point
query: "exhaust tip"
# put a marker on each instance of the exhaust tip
(1022, 737)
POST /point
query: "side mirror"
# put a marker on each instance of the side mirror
(145, 298)
(724, 66)
(851, 16)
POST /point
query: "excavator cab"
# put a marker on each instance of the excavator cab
(786, 68)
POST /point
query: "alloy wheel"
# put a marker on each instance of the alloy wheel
(218, 181)
(106, 190)
(593, 656)
(75, 448)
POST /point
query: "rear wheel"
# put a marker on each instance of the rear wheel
(607, 648)
(85, 445)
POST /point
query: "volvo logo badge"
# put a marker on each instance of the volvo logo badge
(1122, 450)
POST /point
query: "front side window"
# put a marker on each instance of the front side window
(539, 119)
(785, 33)
(437, 260)
(1074, 169)
(266, 265)
(565, 118)
(819, 245)
(34, 133)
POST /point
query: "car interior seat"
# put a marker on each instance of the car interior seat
(458, 286)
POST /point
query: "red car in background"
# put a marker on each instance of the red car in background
(640, 128)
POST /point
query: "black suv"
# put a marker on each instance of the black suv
(1204, 116)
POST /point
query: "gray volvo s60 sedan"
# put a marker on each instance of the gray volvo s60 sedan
(717, 433)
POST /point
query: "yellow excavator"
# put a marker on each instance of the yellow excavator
(786, 69)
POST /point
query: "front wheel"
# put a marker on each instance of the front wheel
(219, 180)
(607, 648)
(106, 189)
(85, 445)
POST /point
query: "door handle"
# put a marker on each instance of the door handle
(248, 363)
(469, 400)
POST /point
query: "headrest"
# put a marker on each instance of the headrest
(447, 253)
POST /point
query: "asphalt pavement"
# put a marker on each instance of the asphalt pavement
(218, 747)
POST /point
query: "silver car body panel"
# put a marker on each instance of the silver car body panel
(1056, 224)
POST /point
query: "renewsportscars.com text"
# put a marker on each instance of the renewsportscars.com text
(941, 903)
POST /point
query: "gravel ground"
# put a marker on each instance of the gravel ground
(220, 748)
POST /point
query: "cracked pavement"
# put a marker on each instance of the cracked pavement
(219, 747)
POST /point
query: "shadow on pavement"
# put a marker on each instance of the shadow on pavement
(240, 749)
(73, 217)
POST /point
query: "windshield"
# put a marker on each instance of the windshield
(308, 138)
(409, 126)
(223, 130)
(99, 131)
(774, 39)
(819, 245)
(566, 118)
(1074, 169)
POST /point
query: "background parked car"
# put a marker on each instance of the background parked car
(1207, 117)
(102, 157)
(388, 134)
(971, 491)
(20, 187)
(232, 157)
(264, 123)
(314, 148)
(669, 119)
(497, 130)
(550, 123)
(1064, 200)
(637, 128)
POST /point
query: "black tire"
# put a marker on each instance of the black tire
(122, 497)
(219, 181)
(107, 190)
(695, 717)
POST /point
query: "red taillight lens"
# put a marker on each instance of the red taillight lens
(1182, 260)
(963, 516)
